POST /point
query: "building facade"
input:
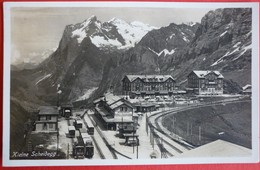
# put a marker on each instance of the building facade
(47, 119)
(206, 82)
(148, 85)
(114, 111)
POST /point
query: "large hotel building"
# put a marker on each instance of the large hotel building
(148, 84)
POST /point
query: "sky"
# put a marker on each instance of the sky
(35, 30)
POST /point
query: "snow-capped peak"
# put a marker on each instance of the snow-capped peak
(93, 18)
(114, 33)
(190, 23)
(115, 21)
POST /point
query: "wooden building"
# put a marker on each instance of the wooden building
(146, 107)
(142, 85)
(206, 82)
(47, 119)
(113, 111)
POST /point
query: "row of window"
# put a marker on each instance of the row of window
(148, 84)
(51, 126)
(47, 117)
(123, 109)
(148, 89)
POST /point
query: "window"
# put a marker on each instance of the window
(51, 126)
(44, 127)
(48, 117)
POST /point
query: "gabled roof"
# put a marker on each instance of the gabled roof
(120, 103)
(111, 98)
(203, 73)
(48, 110)
(149, 78)
(66, 105)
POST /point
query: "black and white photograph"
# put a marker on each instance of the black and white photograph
(130, 83)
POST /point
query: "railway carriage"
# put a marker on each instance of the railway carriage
(78, 124)
(78, 148)
(89, 148)
(83, 140)
(71, 130)
(89, 126)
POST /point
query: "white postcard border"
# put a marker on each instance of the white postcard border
(255, 85)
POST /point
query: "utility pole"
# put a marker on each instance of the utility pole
(146, 124)
(57, 140)
(187, 129)
(68, 151)
(151, 137)
(199, 134)
(133, 139)
(173, 125)
(191, 132)
(137, 141)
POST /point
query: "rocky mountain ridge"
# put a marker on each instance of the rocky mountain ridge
(221, 42)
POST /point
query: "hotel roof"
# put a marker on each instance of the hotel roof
(150, 78)
(203, 73)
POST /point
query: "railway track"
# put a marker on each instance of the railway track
(164, 152)
(97, 147)
(102, 155)
(156, 127)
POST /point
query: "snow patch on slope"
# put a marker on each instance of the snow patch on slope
(243, 52)
(87, 94)
(221, 59)
(221, 35)
(43, 78)
(101, 42)
(167, 52)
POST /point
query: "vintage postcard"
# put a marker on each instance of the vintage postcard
(130, 83)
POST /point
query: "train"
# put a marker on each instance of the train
(89, 126)
(83, 145)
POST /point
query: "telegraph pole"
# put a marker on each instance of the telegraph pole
(137, 141)
(187, 129)
(133, 143)
(199, 134)
(57, 140)
(191, 132)
(151, 137)
(146, 124)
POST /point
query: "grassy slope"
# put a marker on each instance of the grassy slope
(233, 119)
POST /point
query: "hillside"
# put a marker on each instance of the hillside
(221, 42)
(93, 54)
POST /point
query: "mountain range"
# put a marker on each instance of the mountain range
(93, 54)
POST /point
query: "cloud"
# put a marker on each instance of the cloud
(15, 54)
